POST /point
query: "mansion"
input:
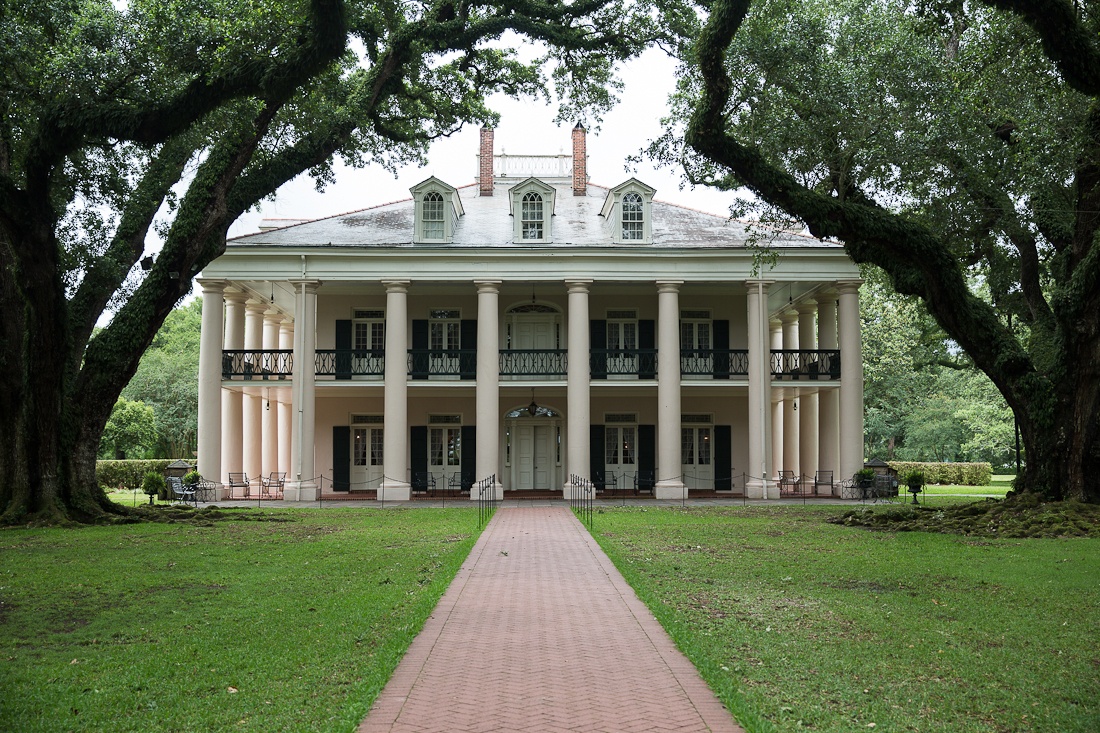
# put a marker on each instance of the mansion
(527, 328)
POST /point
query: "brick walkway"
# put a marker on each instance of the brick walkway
(539, 632)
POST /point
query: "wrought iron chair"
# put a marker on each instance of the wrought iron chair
(823, 478)
(273, 484)
(180, 493)
(239, 481)
(789, 484)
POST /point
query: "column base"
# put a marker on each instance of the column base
(301, 491)
(773, 490)
(670, 490)
(756, 489)
(496, 493)
(395, 491)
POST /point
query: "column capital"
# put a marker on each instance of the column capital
(759, 281)
(578, 286)
(273, 315)
(235, 296)
(775, 323)
(488, 286)
(847, 287)
(212, 285)
(668, 286)
(309, 285)
(396, 286)
(806, 307)
(788, 317)
(254, 306)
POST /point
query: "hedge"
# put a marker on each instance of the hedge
(959, 474)
(127, 474)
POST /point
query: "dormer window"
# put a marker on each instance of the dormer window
(532, 207)
(532, 216)
(628, 211)
(433, 215)
(437, 209)
(633, 217)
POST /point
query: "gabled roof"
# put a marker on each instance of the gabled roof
(440, 185)
(613, 194)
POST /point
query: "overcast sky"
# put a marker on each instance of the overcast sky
(525, 128)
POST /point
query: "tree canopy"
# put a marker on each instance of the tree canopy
(954, 145)
(121, 120)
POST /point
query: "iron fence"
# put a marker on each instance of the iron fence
(486, 500)
(806, 364)
(533, 362)
(581, 498)
(263, 364)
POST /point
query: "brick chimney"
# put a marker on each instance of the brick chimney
(485, 163)
(580, 162)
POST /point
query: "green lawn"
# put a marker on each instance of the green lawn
(1000, 485)
(799, 624)
(292, 623)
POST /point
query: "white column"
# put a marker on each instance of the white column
(758, 485)
(302, 484)
(828, 399)
(851, 378)
(776, 330)
(253, 400)
(807, 403)
(670, 483)
(488, 385)
(210, 379)
(791, 454)
(232, 410)
(269, 450)
(395, 441)
(578, 384)
(286, 404)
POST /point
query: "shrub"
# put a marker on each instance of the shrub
(915, 479)
(191, 478)
(127, 475)
(966, 474)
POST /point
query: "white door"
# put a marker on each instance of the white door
(534, 463)
(622, 344)
(695, 348)
(368, 347)
(444, 341)
(366, 458)
(535, 332)
(696, 457)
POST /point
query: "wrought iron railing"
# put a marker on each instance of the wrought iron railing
(251, 364)
(486, 499)
(581, 498)
(347, 363)
(718, 363)
(806, 364)
(424, 363)
(532, 362)
(641, 363)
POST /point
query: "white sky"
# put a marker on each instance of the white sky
(525, 128)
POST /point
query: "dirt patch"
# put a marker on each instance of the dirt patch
(1015, 516)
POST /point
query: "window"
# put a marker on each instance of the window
(433, 216)
(633, 218)
(531, 216)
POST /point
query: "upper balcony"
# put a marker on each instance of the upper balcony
(521, 364)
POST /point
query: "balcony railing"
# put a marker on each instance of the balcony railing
(249, 364)
(277, 364)
(348, 363)
(424, 363)
(717, 363)
(804, 364)
(641, 363)
(533, 362)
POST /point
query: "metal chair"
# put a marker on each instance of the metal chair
(823, 478)
(239, 481)
(180, 493)
(273, 483)
(789, 483)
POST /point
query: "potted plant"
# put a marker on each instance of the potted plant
(154, 484)
(192, 478)
(915, 482)
(865, 477)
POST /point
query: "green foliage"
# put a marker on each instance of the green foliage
(191, 478)
(167, 378)
(914, 479)
(130, 429)
(127, 474)
(960, 474)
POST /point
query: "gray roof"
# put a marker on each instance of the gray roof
(487, 223)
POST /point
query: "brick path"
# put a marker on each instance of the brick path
(539, 632)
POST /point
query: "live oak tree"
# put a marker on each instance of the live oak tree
(955, 145)
(118, 117)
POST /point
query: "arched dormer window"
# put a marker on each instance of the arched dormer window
(633, 218)
(437, 207)
(433, 215)
(531, 224)
(628, 211)
(531, 203)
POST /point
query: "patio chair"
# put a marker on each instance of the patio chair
(644, 481)
(423, 482)
(823, 478)
(789, 483)
(239, 481)
(273, 484)
(180, 493)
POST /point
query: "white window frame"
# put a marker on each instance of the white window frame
(520, 210)
(620, 205)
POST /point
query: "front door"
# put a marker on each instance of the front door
(696, 457)
(366, 458)
(535, 464)
(620, 455)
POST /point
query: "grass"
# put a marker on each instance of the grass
(999, 485)
(799, 624)
(292, 620)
